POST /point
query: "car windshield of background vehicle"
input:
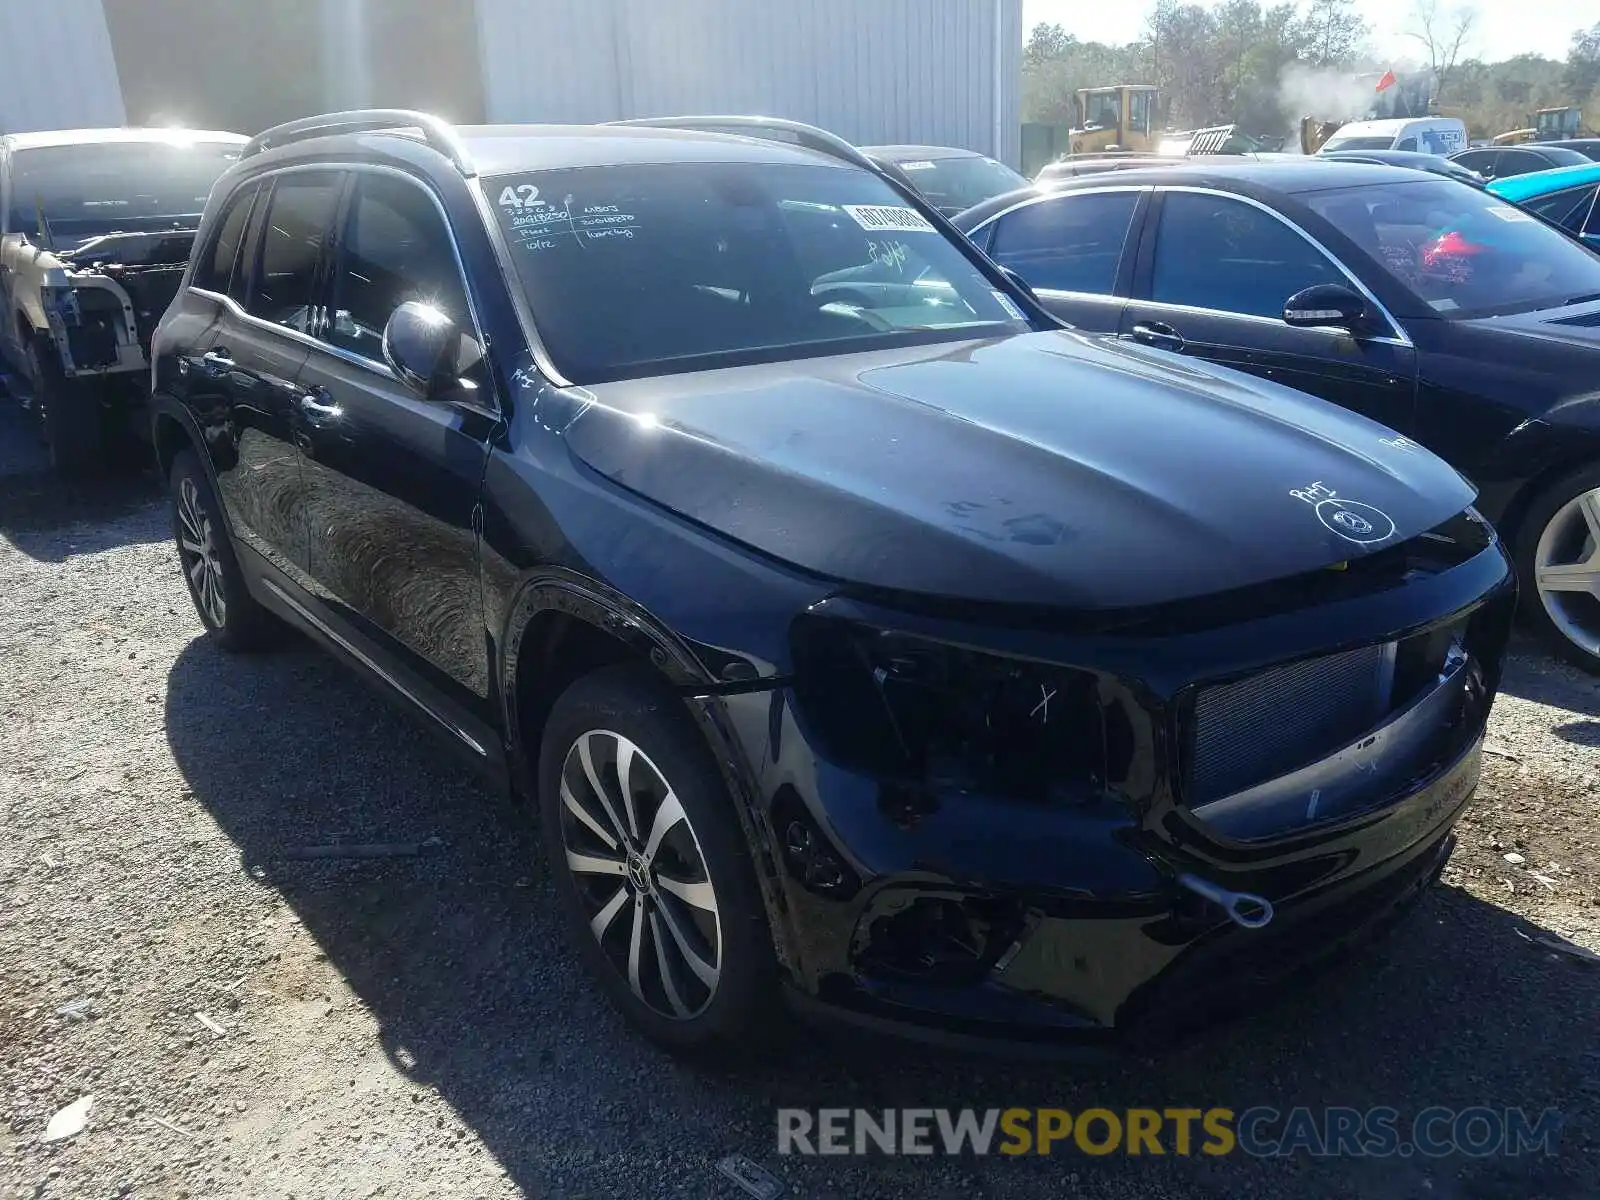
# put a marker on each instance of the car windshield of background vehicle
(1462, 252)
(961, 182)
(1358, 143)
(83, 191)
(648, 269)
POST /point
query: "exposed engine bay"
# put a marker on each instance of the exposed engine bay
(105, 298)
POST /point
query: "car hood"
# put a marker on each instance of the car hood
(1047, 469)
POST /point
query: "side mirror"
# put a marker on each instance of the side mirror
(425, 349)
(1326, 304)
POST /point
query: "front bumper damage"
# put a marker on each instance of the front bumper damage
(1069, 919)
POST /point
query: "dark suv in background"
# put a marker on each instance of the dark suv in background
(863, 638)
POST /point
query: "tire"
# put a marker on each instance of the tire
(734, 1013)
(1562, 530)
(75, 422)
(231, 615)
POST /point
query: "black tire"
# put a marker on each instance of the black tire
(71, 412)
(1582, 610)
(740, 1015)
(210, 569)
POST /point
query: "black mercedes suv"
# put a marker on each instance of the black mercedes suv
(862, 638)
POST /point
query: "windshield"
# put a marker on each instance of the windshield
(959, 183)
(645, 269)
(1462, 252)
(1357, 143)
(105, 187)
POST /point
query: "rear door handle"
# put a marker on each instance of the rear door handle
(318, 406)
(1159, 334)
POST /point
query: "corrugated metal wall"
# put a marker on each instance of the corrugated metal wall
(873, 71)
(56, 66)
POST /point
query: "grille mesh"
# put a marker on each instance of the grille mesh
(1270, 724)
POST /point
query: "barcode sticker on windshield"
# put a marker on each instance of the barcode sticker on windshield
(920, 165)
(881, 218)
(1506, 213)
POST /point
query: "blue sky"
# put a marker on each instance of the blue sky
(1504, 28)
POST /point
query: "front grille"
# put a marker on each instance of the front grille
(1269, 724)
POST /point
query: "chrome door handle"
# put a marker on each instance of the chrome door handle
(1160, 335)
(217, 361)
(317, 409)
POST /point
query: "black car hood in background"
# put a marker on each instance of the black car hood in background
(1046, 469)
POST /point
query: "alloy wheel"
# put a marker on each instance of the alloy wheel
(197, 549)
(641, 875)
(1566, 570)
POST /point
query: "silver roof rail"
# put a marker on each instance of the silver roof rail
(805, 135)
(438, 133)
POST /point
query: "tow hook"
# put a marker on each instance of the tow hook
(1244, 909)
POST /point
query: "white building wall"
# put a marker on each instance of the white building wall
(943, 72)
(56, 66)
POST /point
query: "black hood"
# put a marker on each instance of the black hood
(1048, 469)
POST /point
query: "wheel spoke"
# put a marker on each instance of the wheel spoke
(668, 814)
(706, 972)
(585, 817)
(197, 573)
(1577, 577)
(191, 546)
(594, 864)
(599, 792)
(669, 972)
(1589, 506)
(635, 944)
(625, 753)
(602, 919)
(701, 895)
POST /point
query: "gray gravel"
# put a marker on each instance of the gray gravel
(413, 1027)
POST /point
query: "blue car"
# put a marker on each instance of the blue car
(1564, 196)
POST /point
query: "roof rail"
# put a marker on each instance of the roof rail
(439, 134)
(805, 135)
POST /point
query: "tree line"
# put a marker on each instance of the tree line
(1264, 66)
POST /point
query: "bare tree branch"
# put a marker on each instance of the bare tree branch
(1443, 34)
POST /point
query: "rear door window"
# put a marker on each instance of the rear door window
(300, 216)
(1482, 161)
(1067, 244)
(1219, 253)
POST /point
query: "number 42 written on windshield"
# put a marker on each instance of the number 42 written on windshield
(518, 197)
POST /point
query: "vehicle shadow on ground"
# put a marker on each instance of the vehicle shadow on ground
(459, 956)
(50, 519)
(1531, 674)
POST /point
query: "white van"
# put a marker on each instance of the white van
(1427, 135)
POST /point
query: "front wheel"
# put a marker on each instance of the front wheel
(651, 867)
(76, 427)
(1558, 561)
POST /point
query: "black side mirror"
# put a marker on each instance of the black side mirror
(1326, 304)
(425, 349)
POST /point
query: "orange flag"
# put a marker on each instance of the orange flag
(1388, 81)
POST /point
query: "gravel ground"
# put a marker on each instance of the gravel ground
(413, 1027)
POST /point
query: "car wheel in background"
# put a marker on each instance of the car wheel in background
(71, 413)
(651, 866)
(232, 617)
(1558, 564)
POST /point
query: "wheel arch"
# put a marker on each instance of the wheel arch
(173, 429)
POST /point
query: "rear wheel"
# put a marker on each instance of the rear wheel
(1558, 560)
(231, 615)
(652, 869)
(75, 422)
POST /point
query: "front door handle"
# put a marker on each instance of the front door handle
(319, 407)
(1158, 334)
(218, 362)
